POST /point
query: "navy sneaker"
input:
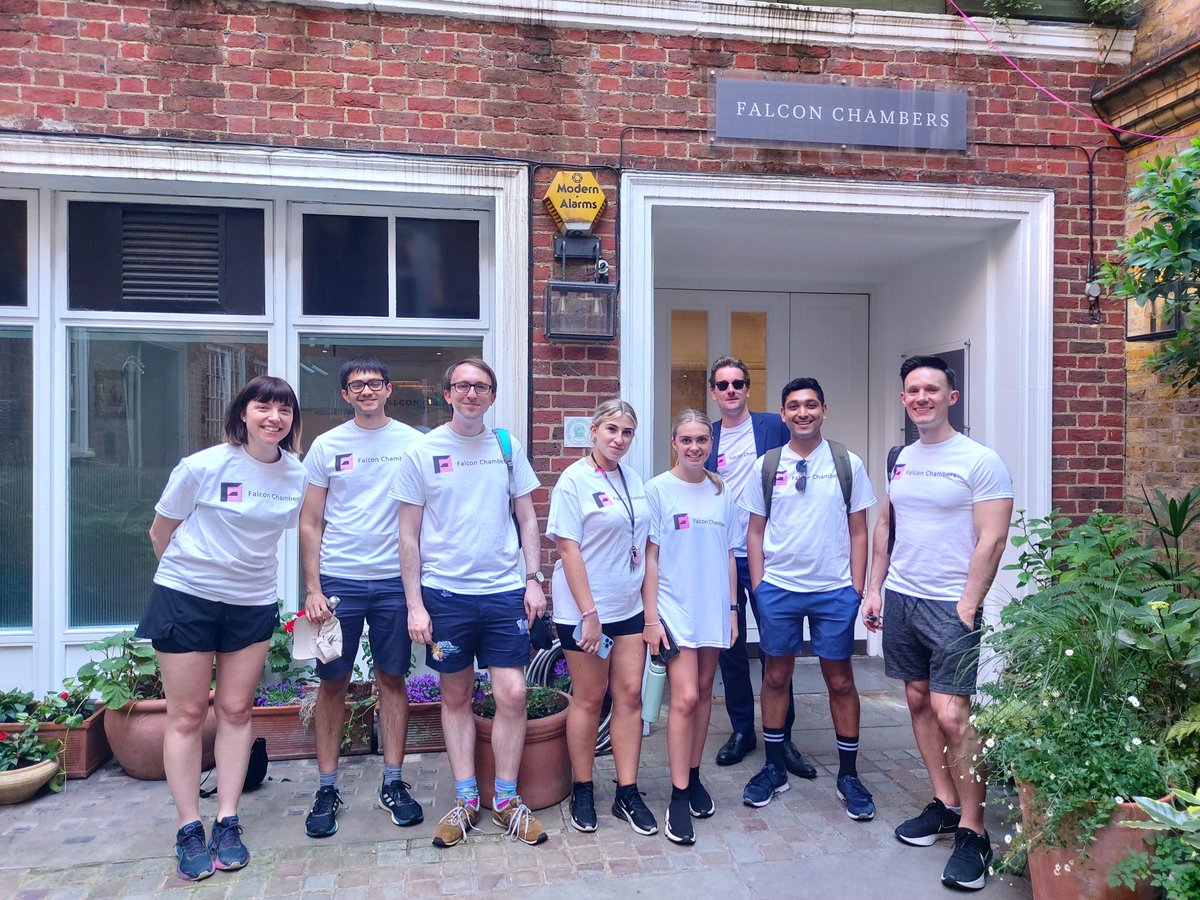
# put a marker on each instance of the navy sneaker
(701, 802)
(583, 806)
(228, 851)
(395, 798)
(630, 806)
(195, 862)
(322, 818)
(970, 861)
(679, 821)
(857, 798)
(934, 822)
(766, 784)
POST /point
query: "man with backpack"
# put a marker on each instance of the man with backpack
(460, 489)
(807, 550)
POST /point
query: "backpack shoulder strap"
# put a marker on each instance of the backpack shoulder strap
(770, 464)
(841, 464)
(505, 442)
(893, 455)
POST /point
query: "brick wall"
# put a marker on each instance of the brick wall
(1165, 26)
(278, 74)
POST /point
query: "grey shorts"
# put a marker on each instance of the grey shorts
(925, 640)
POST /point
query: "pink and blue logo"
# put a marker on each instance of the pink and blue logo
(682, 522)
(442, 465)
(898, 471)
(343, 462)
(781, 477)
(231, 492)
(720, 460)
(602, 499)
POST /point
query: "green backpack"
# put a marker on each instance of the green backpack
(841, 463)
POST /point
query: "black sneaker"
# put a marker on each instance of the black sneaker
(632, 808)
(583, 806)
(395, 798)
(766, 784)
(679, 821)
(970, 861)
(700, 803)
(195, 862)
(226, 847)
(934, 822)
(322, 818)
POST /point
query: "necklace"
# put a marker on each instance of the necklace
(635, 553)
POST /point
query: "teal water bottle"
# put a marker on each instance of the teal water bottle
(652, 692)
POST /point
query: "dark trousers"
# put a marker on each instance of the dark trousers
(735, 667)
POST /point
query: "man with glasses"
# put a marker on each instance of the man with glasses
(808, 560)
(739, 438)
(468, 599)
(348, 533)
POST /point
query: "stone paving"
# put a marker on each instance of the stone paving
(111, 836)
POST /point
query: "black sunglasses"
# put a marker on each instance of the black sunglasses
(738, 384)
(802, 475)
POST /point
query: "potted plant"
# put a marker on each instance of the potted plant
(27, 762)
(544, 775)
(135, 719)
(1173, 867)
(1100, 660)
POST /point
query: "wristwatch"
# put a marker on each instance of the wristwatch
(536, 576)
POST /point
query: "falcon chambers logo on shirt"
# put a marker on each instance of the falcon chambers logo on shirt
(343, 462)
(682, 522)
(231, 492)
(442, 465)
(781, 477)
(898, 471)
(602, 499)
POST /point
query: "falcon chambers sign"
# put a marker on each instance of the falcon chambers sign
(792, 112)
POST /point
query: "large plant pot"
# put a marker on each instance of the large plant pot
(544, 776)
(18, 785)
(85, 749)
(136, 730)
(287, 738)
(425, 734)
(1061, 873)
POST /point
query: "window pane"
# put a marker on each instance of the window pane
(437, 268)
(16, 478)
(748, 340)
(14, 246)
(139, 402)
(415, 368)
(345, 266)
(160, 258)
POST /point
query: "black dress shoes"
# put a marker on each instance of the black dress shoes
(737, 747)
(796, 764)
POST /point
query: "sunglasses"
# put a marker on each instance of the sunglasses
(802, 475)
(739, 384)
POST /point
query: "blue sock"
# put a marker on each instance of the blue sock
(391, 774)
(328, 779)
(467, 791)
(505, 792)
(847, 748)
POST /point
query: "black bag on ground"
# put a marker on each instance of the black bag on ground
(256, 768)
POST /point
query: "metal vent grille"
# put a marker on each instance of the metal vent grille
(170, 256)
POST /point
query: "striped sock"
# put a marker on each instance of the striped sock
(328, 779)
(773, 744)
(847, 748)
(505, 792)
(467, 791)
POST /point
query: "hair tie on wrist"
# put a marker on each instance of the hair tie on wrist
(590, 612)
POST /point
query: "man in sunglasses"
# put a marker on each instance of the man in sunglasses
(808, 561)
(348, 533)
(739, 438)
(459, 489)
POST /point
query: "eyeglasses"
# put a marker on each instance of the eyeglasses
(738, 384)
(463, 387)
(802, 475)
(357, 387)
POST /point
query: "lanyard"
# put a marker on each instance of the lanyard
(627, 502)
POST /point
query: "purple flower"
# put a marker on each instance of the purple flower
(424, 689)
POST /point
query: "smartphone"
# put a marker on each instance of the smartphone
(606, 643)
(669, 649)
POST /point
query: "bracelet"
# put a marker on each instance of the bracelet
(733, 608)
(650, 624)
(590, 612)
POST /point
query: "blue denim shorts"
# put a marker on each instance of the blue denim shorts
(831, 616)
(490, 628)
(380, 604)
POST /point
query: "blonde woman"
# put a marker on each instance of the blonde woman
(690, 594)
(599, 522)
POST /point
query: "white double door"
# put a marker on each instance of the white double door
(779, 336)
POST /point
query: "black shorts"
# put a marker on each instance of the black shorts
(176, 622)
(633, 625)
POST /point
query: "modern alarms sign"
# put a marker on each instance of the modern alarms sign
(750, 109)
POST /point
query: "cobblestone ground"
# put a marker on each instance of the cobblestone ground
(110, 836)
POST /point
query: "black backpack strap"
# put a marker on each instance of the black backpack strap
(770, 464)
(892, 457)
(841, 464)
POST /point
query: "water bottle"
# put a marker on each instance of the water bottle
(332, 603)
(652, 691)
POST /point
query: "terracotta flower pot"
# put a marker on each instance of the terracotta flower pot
(18, 785)
(135, 733)
(1060, 873)
(544, 777)
(287, 738)
(85, 749)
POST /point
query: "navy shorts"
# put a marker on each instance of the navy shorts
(176, 622)
(925, 640)
(490, 628)
(635, 624)
(831, 616)
(381, 605)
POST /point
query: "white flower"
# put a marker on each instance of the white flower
(1069, 652)
(990, 743)
(1137, 742)
(1051, 776)
(1008, 839)
(1017, 827)
(1134, 702)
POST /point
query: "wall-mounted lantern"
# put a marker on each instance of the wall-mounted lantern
(581, 311)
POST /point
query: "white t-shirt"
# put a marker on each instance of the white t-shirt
(933, 491)
(357, 466)
(234, 510)
(693, 527)
(593, 507)
(735, 462)
(468, 538)
(806, 547)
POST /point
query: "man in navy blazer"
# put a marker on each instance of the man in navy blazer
(739, 438)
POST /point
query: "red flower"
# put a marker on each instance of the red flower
(65, 695)
(289, 626)
(3, 735)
